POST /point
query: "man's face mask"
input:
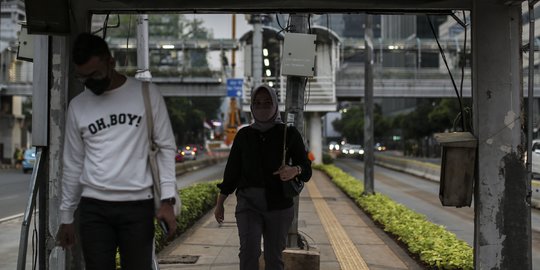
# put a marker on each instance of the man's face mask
(96, 81)
(98, 86)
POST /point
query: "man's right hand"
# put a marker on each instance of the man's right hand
(219, 213)
(66, 236)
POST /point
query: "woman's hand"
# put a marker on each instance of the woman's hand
(287, 173)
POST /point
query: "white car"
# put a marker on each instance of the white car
(535, 159)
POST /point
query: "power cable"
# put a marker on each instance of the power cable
(449, 72)
(464, 62)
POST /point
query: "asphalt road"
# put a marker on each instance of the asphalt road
(14, 192)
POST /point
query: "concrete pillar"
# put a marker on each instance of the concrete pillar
(502, 208)
(368, 109)
(315, 136)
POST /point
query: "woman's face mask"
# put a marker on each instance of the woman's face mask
(263, 108)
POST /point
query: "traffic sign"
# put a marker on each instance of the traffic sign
(234, 87)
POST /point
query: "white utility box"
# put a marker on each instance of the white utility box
(298, 55)
(25, 51)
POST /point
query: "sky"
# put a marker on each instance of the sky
(221, 24)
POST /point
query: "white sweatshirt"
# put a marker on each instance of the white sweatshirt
(106, 148)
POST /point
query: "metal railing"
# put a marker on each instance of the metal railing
(319, 89)
(30, 205)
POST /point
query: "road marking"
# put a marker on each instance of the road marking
(11, 217)
(347, 255)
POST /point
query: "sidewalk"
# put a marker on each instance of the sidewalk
(332, 224)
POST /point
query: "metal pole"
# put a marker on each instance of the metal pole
(530, 116)
(257, 50)
(143, 62)
(30, 204)
(233, 52)
(295, 113)
(368, 108)
(143, 74)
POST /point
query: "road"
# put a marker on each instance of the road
(422, 196)
(14, 190)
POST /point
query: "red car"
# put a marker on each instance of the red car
(179, 157)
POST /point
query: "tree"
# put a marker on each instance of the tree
(446, 115)
(351, 124)
(430, 116)
(187, 116)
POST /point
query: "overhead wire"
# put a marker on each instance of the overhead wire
(449, 72)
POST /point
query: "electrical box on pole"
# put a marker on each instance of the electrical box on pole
(298, 55)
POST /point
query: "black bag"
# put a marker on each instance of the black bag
(293, 187)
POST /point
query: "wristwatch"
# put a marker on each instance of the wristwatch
(171, 201)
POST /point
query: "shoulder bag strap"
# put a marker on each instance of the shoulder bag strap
(152, 147)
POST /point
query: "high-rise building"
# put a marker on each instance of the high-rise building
(12, 133)
(11, 15)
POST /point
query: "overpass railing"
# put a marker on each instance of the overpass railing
(319, 90)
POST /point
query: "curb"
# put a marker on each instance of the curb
(6, 219)
(6, 166)
(432, 172)
(185, 167)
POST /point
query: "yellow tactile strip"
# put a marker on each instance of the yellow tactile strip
(347, 255)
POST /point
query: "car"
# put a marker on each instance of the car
(379, 147)
(189, 152)
(333, 146)
(535, 159)
(354, 150)
(29, 159)
(179, 157)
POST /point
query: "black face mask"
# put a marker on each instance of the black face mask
(98, 87)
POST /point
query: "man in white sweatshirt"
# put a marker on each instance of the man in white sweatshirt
(106, 173)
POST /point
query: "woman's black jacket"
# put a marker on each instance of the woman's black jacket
(256, 155)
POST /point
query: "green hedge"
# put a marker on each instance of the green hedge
(433, 244)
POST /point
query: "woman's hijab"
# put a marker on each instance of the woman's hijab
(260, 123)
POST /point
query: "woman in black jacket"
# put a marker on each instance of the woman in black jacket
(254, 169)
